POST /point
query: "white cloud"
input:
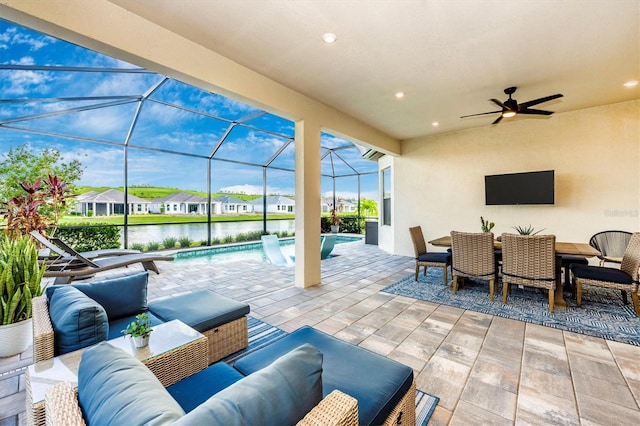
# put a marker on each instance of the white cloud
(257, 190)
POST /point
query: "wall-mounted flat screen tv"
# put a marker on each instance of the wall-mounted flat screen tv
(520, 188)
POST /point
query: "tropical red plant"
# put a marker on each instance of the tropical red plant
(40, 208)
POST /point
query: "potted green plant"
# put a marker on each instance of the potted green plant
(335, 221)
(139, 330)
(20, 281)
(527, 230)
(486, 226)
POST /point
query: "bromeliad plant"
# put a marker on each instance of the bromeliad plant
(20, 278)
(528, 230)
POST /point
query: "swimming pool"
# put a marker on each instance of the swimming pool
(243, 251)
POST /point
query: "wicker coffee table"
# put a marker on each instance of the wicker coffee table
(175, 351)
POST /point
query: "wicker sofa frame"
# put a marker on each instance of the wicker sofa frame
(337, 408)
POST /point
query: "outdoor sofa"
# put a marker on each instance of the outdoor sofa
(74, 316)
(307, 377)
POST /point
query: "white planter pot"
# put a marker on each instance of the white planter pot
(15, 338)
(335, 229)
(141, 341)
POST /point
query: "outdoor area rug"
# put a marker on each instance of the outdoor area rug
(602, 313)
(262, 334)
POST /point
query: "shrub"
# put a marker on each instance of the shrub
(184, 242)
(204, 242)
(137, 246)
(86, 238)
(228, 239)
(153, 246)
(169, 242)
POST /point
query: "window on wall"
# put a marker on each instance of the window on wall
(386, 196)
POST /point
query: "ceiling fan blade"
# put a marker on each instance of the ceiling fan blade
(497, 120)
(500, 104)
(539, 101)
(482, 113)
(535, 111)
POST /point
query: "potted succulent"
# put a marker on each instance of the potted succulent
(20, 281)
(335, 221)
(527, 230)
(486, 226)
(139, 330)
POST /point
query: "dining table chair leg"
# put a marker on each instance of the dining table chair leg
(636, 305)
(552, 299)
(491, 289)
(505, 292)
(417, 271)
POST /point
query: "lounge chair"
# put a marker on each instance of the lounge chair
(61, 248)
(65, 271)
(271, 247)
(326, 246)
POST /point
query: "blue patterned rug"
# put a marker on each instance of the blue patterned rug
(602, 313)
(261, 334)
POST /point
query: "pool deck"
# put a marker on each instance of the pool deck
(485, 369)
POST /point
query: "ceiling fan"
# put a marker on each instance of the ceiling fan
(510, 107)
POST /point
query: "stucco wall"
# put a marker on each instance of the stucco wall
(438, 182)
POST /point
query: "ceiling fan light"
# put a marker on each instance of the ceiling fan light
(508, 114)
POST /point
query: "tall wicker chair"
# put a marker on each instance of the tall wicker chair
(625, 279)
(529, 260)
(428, 259)
(611, 245)
(473, 256)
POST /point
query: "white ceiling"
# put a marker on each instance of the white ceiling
(448, 56)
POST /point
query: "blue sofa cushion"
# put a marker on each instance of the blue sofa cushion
(280, 394)
(196, 389)
(601, 274)
(121, 296)
(201, 310)
(116, 389)
(116, 326)
(435, 257)
(378, 383)
(78, 321)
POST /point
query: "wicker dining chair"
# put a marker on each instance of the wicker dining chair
(625, 279)
(529, 260)
(428, 259)
(473, 256)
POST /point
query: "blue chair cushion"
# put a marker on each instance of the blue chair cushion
(601, 274)
(120, 296)
(378, 383)
(78, 321)
(435, 257)
(116, 326)
(279, 394)
(197, 388)
(201, 310)
(115, 388)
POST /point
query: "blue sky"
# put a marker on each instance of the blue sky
(159, 125)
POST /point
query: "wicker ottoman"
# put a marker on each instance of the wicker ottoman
(222, 320)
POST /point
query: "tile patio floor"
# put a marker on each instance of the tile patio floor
(485, 369)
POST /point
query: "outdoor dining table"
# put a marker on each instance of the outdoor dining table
(562, 248)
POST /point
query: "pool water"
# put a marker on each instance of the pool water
(243, 251)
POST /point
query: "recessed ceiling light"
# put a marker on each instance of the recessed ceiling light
(329, 38)
(435, 124)
(631, 83)
(399, 95)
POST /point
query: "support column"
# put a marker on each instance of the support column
(307, 178)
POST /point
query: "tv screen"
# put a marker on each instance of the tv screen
(520, 188)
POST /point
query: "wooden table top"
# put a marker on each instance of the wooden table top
(575, 249)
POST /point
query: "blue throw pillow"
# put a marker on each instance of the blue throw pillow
(114, 388)
(279, 394)
(78, 321)
(122, 296)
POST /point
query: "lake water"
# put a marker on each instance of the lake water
(144, 234)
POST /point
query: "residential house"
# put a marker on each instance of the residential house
(179, 203)
(233, 205)
(109, 202)
(275, 204)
